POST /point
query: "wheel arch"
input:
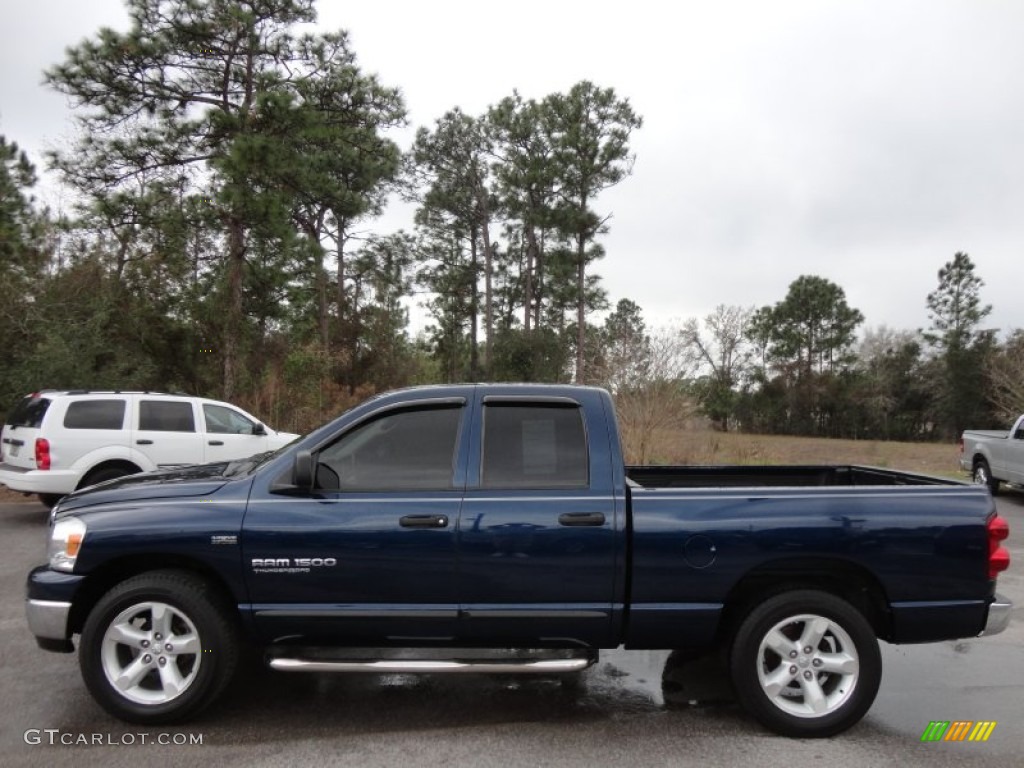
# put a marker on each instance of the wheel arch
(130, 467)
(849, 581)
(102, 580)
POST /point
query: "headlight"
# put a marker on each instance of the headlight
(66, 539)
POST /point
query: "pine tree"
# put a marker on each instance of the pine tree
(271, 130)
(956, 314)
(588, 129)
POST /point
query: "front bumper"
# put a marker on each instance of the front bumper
(48, 621)
(998, 616)
(48, 607)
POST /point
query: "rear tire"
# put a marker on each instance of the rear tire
(50, 499)
(805, 663)
(104, 474)
(983, 476)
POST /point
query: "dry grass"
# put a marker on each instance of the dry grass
(703, 447)
(7, 496)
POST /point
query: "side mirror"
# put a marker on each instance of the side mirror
(302, 470)
(259, 429)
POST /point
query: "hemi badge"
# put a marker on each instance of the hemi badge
(223, 539)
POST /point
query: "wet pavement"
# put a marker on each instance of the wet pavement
(643, 708)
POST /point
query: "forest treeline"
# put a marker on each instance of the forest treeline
(229, 165)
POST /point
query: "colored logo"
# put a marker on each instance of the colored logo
(958, 730)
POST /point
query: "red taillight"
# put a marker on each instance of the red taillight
(998, 557)
(42, 453)
(960, 443)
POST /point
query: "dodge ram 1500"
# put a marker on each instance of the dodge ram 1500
(441, 527)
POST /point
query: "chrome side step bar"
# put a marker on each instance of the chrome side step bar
(431, 666)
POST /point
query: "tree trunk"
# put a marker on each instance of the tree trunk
(314, 231)
(581, 310)
(488, 301)
(539, 286)
(474, 310)
(321, 297)
(531, 258)
(233, 327)
(340, 285)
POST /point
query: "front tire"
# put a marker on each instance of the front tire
(158, 648)
(805, 663)
(983, 476)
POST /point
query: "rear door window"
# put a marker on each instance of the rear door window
(166, 416)
(534, 446)
(95, 414)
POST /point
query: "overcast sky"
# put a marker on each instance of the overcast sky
(864, 142)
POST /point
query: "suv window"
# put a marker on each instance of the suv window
(166, 416)
(95, 414)
(534, 446)
(224, 421)
(29, 412)
(400, 451)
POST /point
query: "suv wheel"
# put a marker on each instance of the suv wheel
(104, 474)
(49, 499)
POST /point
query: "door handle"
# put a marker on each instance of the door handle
(216, 442)
(424, 521)
(143, 442)
(581, 518)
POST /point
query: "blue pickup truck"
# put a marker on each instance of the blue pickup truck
(496, 528)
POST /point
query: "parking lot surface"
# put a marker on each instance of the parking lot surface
(631, 709)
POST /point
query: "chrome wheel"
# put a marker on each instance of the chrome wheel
(805, 663)
(151, 653)
(981, 474)
(808, 665)
(159, 646)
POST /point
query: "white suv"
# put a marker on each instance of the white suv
(55, 442)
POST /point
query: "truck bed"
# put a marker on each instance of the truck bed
(774, 476)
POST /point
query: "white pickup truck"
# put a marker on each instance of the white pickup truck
(993, 456)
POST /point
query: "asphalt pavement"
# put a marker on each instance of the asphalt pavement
(631, 709)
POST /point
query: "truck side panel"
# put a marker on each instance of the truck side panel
(692, 550)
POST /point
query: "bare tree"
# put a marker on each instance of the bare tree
(655, 404)
(723, 351)
(1006, 375)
